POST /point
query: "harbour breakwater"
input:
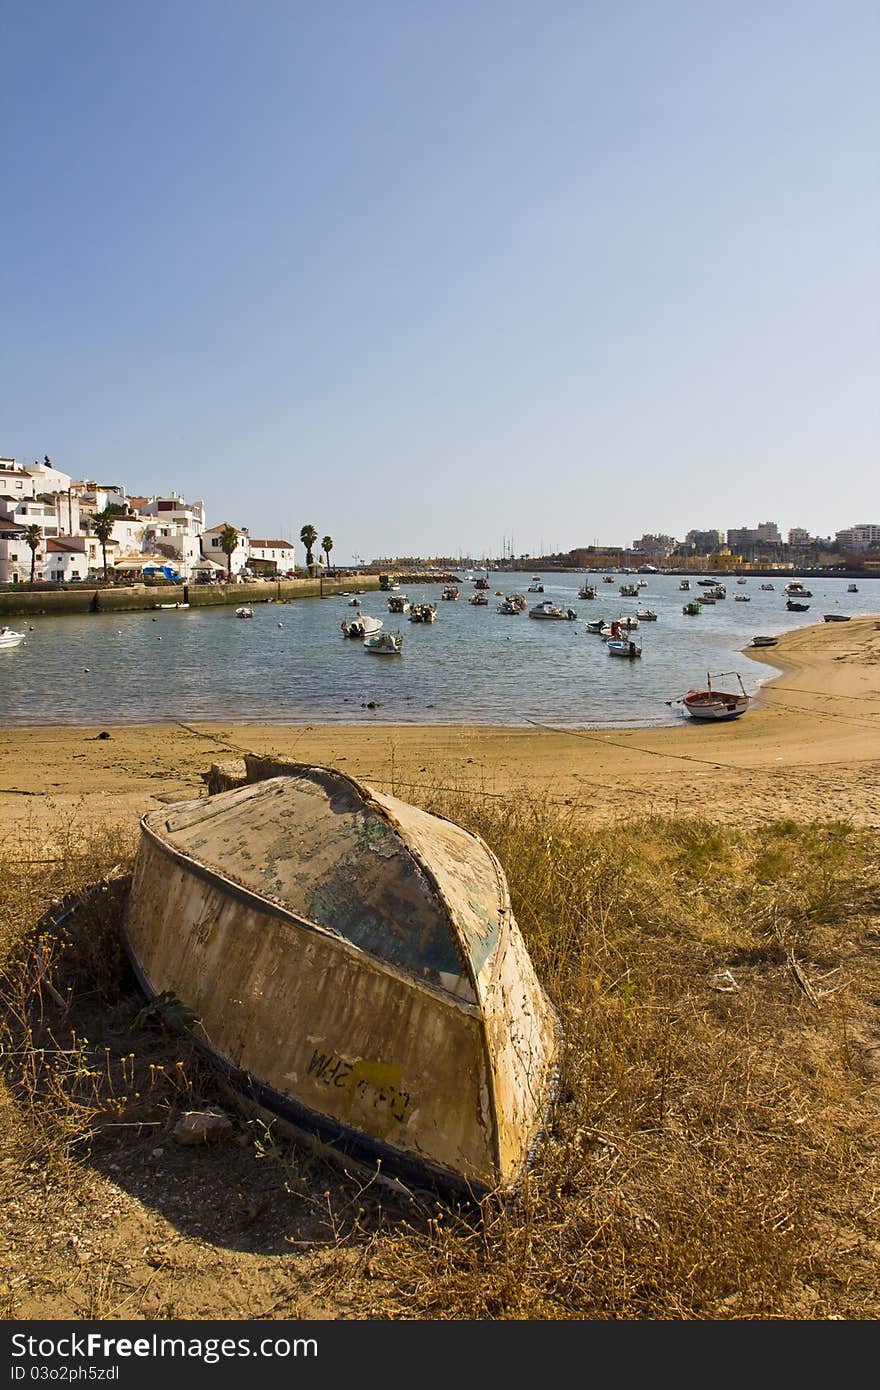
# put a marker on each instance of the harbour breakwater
(87, 598)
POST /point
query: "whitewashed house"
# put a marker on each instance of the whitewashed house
(174, 528)
(66, 559)
(15, 481)
(213, 550)
(271, 557)
(15, 554)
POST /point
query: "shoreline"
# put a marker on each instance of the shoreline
(808, 748)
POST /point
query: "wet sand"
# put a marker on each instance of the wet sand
(808, 748)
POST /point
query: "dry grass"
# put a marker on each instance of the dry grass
(713, 1148)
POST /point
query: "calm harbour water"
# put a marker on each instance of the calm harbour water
(290, 664)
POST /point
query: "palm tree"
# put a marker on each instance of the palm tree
(228, 539)
(33, 535)
(308, 535)
(102, 525)
(327, 546)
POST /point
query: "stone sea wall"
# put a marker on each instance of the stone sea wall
(20, 601)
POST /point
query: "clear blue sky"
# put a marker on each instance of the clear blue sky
(439, 276)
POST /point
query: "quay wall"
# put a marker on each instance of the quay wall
(83, 598)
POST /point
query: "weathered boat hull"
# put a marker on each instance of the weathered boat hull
(356, 970)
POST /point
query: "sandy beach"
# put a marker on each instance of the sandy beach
(808, 748)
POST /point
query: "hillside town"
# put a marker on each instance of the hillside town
(80, 528)
(55, 529)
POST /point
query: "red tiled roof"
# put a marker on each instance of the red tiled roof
(69, 547)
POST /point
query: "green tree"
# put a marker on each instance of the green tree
(33, 535)
(102, 525)
(327, 546)
(228, 541)
(308, 535)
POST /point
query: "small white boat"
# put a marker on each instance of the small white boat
(9, 637)
(685, 584)
(629, 590)
(479, 599)
(768, 588)
(362, 626)
(509, 607)
(536, 588)
(646, 615)
(623, 646)
(398, 603)
(587, 591)
(549, 609)
(796, 590)
(384, 643)
(741, 598)
(244, 612)
(710, 703)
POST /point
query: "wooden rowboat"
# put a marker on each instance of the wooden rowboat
(355, 969)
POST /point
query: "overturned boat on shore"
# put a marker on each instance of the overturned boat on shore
(355, 968)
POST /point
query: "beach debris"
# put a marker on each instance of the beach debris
(203, 1127)
(724, 982)
(802, 980)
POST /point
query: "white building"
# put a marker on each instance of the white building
(213, 550)
(66, 559)
(46, 478)
(174, 528)
(15, 554)
(15, 481)
(271, 557)
(862, 537)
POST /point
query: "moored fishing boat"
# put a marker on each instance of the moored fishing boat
(354, 968)
(711, 703)
(9, 637)
(764, 641)
(244, 612)
(548, 609)
(384, 643)
(691, 608)
(362, 626)
(423, 613)
(623, 646)
(398, 603)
